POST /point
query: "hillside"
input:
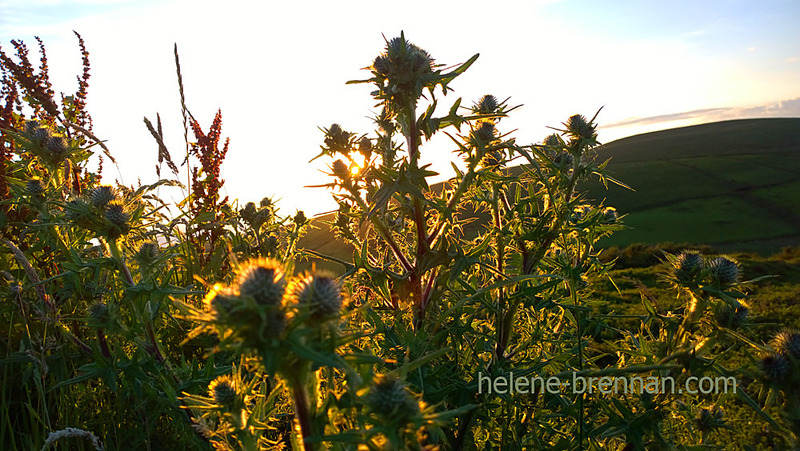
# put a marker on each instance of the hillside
(734, 185)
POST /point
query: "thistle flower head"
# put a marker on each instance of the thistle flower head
(709, 419)
(34, 186)
(381, 65)
(487, 104)
(731, 316)
(100, 196)
(581, 212)
(262, 280)
(340, 170)
(31, 125)
(400, 52)
(724, 270)
(421, 60)
(319, 291)
(40, 134)
(391, 400)
(397, 47)
(365, 147)
(493, 159)
(57, 146)
(775, 367)
(223, 390)
(248, 211)
(300, 217)
(580, 128)
(687, 265)
(220, 302)
(552, 140)
(337, 140)
(483, 133)
(787, 343)
(610, 215)
(116, 214)
(147, 253)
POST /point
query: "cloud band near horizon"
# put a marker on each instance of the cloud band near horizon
(784, 108)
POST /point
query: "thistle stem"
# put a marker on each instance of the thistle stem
(301, 411)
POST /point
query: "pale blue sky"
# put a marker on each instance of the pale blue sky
(278, 72)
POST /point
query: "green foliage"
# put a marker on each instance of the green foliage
(135, 324)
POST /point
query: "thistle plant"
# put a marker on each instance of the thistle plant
(779, 365)
(137, 324)
(282, 327)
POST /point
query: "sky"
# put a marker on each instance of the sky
(278, 71)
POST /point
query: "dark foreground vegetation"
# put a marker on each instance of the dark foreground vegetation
(131, 323)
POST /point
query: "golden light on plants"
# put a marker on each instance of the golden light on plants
(420, 336)
(356, 162)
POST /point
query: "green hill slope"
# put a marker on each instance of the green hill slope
(734, 185)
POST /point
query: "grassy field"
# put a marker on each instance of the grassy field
(730, 184)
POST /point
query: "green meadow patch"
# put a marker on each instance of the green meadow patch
(708, 220)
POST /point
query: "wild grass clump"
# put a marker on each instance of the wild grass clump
(137, 324)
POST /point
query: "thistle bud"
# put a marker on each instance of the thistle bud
(340, 170)
(320, 292)
(220, 303)
(488, 104)
(709, 419)
(100, 196)
(148, 252)
(397, 48)
(262, 280)
(580, 213)
(381, 65)
(57, 146)
(34, 186)
(724, 270)
(421, 61)
(337, 140)
(31, 126)
(788, 344)
(391, 400)
(493, 159)
(579, 128)
(116, 214)
(731, 316)
(385, 120)
(41, 135)
(248, 211)
(775, 367)
(610, 215)
(365, 147)
(484, 133)
(552, 140)
(223, 391)
(687, 265)
(300, 218)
